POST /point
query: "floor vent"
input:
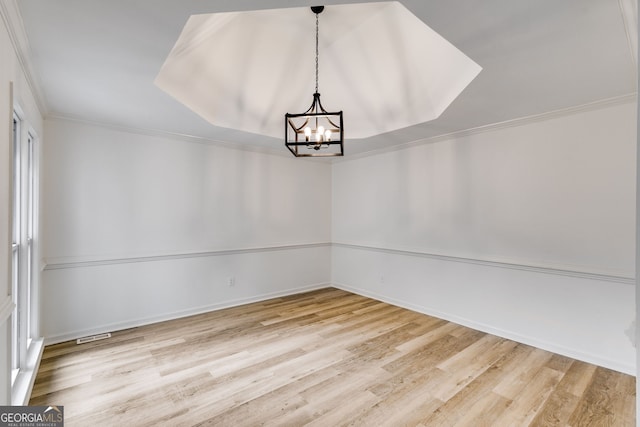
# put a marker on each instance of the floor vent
(92, 338)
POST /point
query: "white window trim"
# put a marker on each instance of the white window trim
(32, 345)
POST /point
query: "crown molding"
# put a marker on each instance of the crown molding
(520, 121)
(53, 116)
(12, 18)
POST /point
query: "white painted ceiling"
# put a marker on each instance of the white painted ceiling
(97, 60)
(242, 70)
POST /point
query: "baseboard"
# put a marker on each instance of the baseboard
(73, 335)
(544, 345)
(511, 335)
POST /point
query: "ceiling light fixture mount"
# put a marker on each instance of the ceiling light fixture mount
(320, 131)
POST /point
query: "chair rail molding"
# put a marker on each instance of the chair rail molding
(571, 271)
(64, 263)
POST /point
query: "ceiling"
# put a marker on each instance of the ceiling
(241, 70)
(97, 60)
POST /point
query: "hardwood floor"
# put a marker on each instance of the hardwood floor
(324, 358)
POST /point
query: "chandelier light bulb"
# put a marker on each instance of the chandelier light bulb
(320, 130)
(327, 135)
(307, 133)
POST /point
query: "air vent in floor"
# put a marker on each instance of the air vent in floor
(92, 338)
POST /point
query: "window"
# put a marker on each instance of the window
(30, 228)
(23, 230)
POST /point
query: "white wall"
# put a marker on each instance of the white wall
(139, 227)
(526, 230)
(10, 72)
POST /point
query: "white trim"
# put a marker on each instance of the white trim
(561, 270)
(514, 336)
(23, 386)
(15, 27)
(6, 309)
(571, 271)
(263, 149)
(521, 121)
(70, 336)
(58, 264)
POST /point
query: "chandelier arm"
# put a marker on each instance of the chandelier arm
(313, 107)
(316, 100)
(297, 129)
(333, 124)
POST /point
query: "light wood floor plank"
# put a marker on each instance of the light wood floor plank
(531, 399)
(477, 397)
(324, 358)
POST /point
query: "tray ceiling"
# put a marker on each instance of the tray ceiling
(97, 60)
(379, 63)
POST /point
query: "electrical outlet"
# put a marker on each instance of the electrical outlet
(231, 281)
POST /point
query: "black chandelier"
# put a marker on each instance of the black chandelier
(316, 132)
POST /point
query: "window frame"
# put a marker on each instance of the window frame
(26, 345)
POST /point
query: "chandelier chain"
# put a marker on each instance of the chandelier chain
(317, 53)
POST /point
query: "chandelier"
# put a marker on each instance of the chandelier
(316, 132)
